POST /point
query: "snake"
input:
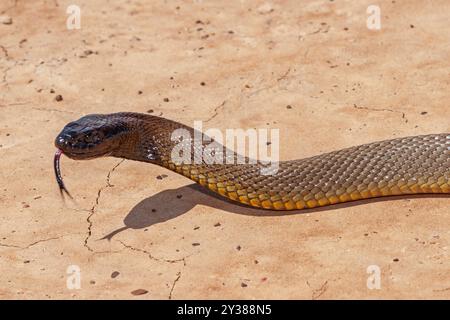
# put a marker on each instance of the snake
(402, 166)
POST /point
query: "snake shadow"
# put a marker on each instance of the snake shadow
(171, 203)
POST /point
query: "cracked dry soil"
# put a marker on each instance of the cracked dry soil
(311, 69)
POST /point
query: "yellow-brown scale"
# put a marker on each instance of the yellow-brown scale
(413, 165)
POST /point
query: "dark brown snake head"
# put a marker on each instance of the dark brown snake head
(89, 137)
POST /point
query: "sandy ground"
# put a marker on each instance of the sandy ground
(128, 230)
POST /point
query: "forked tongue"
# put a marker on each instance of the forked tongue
(56, 161)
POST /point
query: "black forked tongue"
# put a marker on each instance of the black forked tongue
(56, 160)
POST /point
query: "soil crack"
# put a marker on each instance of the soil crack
(96, 203)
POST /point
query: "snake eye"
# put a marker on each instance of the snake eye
(92, 137)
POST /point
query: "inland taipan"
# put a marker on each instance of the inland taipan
(402, 166)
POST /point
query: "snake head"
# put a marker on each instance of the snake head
(90, 137)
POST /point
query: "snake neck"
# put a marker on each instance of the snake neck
(153, 139)
(172, 145)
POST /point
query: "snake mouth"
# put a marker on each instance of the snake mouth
(57, 167)
(84, 154)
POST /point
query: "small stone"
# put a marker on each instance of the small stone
(244, 285)
(140, 92)
(238, 248)
(166, 99)
(150, 111)
(26, 261)
(162, 176)
(179, 196)
(4, 19)
(52, 91)
(202, 83)
(59, 98)
(395, 259)
(139, 292)
(423, 113)
(115, 274)
(92, 282)
(195, 244)
(88, 52)
(265, 8)
(288, 106)
(217, 224)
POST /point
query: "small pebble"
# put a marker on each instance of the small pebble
(166, 99)
(179, 196)
(265, 8)
(195, 244)
(4, 19)
(395, 259)
(139, 292)
(115, 274)
(59, 98)
(244, 285)
(217, 224)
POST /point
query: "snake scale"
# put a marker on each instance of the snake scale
(403, 166)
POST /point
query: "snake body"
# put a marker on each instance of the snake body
(402, 166)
